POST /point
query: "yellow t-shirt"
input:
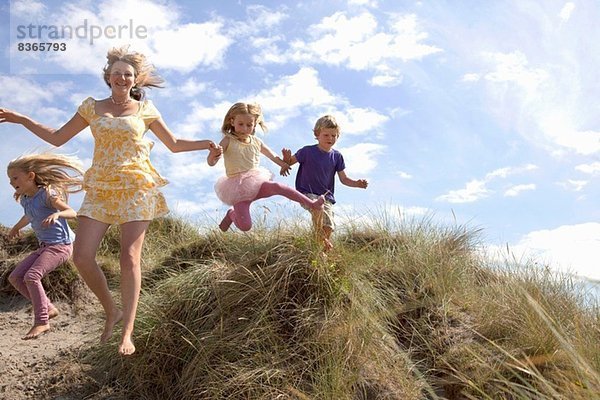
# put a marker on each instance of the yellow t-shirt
(241, 157)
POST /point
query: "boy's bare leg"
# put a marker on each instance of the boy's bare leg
(323, 233)
(326, 236)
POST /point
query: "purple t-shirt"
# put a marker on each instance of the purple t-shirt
(317, 171)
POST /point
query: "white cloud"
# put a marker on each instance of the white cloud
(361, 158)
(153, 28)
(404, 175)
(514, 67)
(288, 97)
(372, 3)
(593, 168)
(293, 92)
(546, 101)
(208, 49)
(473, 191)
(570, 248)
(477, 189)
(358, 43)
(559, 127)
(471, 77)
(20, 93)
(573, 184)
(566, 11)
(506, 171)
(355, 120)
(386, 80)
(518, 189)
(26, 8)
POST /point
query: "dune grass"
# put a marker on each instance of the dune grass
(413, 311)
(407, 313)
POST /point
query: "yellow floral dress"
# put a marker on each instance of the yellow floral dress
(122, 185)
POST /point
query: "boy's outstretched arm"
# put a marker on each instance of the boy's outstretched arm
(288, 157)
(358, 183)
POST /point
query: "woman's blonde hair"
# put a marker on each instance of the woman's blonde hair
(326, 122)
(145, 74)
(243, 108)
(63, 174)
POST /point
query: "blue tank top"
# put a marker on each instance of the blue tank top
(37, 210)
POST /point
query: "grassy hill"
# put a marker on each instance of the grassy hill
(410, 312)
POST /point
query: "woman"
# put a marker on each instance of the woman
(122, 186)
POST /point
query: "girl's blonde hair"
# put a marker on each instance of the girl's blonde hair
(326, 122)
(62, 173)
(144, 71)
(243, 108)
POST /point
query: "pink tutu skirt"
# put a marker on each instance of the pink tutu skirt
(241, 187)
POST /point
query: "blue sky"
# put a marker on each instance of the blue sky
(483, 113)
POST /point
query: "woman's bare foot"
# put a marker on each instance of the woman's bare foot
(126, 347)
(53, 313)
(109, 325)
(36, 331)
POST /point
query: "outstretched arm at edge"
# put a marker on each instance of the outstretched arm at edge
(162, 132)
(56, 137)
(359, 183)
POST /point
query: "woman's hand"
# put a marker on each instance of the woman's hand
(215, 150)
(10, 116)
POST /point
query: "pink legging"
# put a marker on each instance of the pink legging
(27, 277)
(240, 213)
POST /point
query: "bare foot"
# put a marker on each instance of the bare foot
(126, 347)
(327, 245)
(109, 325)
(318, 203)
(226, 222)
(53, 313)
(36, 331)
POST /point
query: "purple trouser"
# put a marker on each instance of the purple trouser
(240, 213)
(27, 276)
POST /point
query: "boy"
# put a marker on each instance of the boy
(316, 175)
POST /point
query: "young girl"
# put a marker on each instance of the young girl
(245, 181)
(41, 183)
(122, 186)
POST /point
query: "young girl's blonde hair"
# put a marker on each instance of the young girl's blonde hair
(62, 173)
(326, 122)
(243, 108)
(145, 74)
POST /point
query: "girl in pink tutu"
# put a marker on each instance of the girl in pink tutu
(245, 180)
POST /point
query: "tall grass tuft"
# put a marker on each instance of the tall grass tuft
(264, 316)
(407, 311)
